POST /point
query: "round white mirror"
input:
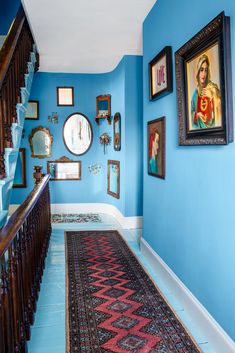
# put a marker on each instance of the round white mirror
(77, 133)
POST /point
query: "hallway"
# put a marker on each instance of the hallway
(48, 332)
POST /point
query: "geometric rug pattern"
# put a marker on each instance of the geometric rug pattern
(75, 218)
(112, 304)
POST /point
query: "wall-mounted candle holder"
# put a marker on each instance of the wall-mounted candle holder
(94, 168)
(105, 140)
(53, 118)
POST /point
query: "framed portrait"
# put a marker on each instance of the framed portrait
(20, 172)
(160, 74)
(65, 96)
(32, 112)
(156, 147)
(204, 87)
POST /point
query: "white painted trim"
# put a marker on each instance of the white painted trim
(217, 337)
(12, 209)
(125, 222)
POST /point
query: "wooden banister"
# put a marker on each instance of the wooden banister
(17, 219)
(14, 56)
(23, 246)
(9, 46)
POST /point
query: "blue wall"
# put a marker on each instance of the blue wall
(189, 217)
(8, 10)
(86, 87)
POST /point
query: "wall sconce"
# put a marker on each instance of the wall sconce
(53, 118)
(105, 140)
(94, 168)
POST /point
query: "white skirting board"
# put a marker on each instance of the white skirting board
(217, 337)
(125, 222)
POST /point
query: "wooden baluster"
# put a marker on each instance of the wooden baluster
(34, 292)
(20, 306)
(24, 288)
(4, 111)
(29, 253)
(8, 116)
(2, 321)
(17, 75)
(29, 245)
(27, 285)
(2, 164)
(7, 308)
(12, 91)
(14, 298)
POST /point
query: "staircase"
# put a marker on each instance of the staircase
(18, 62)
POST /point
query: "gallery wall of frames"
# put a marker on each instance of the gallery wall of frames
(74, 127)
(189, 154)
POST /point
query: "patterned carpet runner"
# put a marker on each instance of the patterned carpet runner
(113, 306)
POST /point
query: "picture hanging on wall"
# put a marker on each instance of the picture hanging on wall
(204, 87)
(117, 131)
(160, 74)
(156, 147)
(113, 177)
(65, 96)
(32, 112)
(20, 172)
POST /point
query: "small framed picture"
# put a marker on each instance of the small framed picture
(160, 74)
(65, 96)
(204, 86)
(32, 112)
(156, 147)
(114, 178)
(20, 172)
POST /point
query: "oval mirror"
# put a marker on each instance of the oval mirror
(77, 133)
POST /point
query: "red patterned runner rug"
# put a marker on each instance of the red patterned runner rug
(112, 304)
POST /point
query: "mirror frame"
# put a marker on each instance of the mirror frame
(33, 132)
(117, 119)
(65, 160)
(106, 97)
(117, 194)
(78, 154)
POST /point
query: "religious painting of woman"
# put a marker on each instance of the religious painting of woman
(204, 86)
(203, 91)
(156, 147)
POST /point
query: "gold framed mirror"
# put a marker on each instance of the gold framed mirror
(40, 141)
(64, 169)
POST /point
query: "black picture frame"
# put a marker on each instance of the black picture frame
(156, 148)
(160, 74)
(32, 112)
(205, 112)
(62, 101)
(21, 168)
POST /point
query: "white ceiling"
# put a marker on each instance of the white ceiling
(86, 36)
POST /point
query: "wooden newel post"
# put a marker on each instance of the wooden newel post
(37, 175)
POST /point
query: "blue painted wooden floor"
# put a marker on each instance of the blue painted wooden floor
(48, 332)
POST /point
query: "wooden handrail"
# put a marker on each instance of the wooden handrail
(9, 46)
(24, 242)
(14, 58)
(17, 219)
